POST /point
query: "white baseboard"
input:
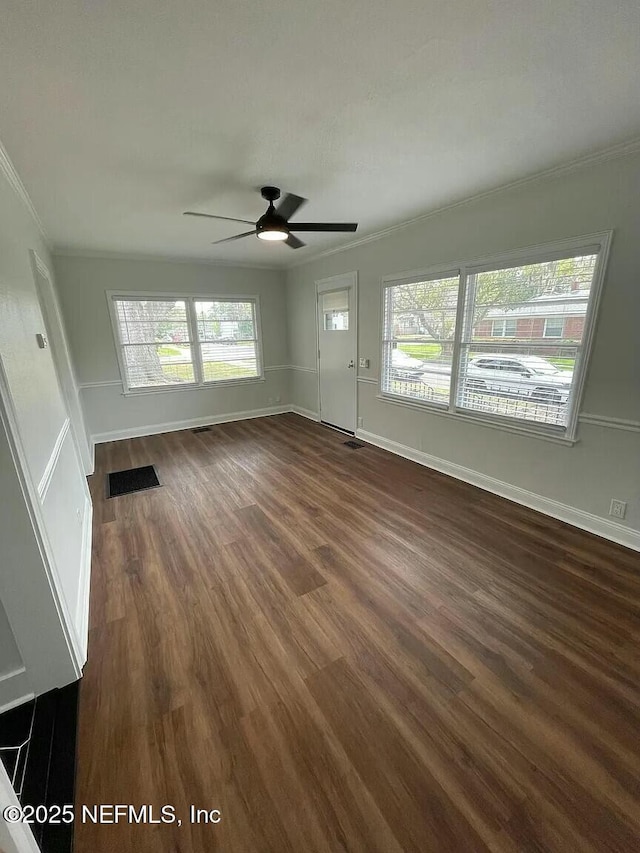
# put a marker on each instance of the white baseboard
(174, 426)
(305, 413)
(578, 518)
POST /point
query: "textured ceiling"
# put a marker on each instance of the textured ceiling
(119, 115)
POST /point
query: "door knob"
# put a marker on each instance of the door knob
(351, 364)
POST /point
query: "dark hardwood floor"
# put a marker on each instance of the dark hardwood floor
(342, 651)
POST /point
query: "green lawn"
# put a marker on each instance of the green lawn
(563, 363)
(212, 371)
(424, 351)
(168, 350)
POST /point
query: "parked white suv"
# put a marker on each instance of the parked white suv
(405, 367)
(518, 376)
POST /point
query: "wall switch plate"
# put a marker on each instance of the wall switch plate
(618, 509)
(363, 362)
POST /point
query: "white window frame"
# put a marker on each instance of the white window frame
(196, 355)
(503, 322)
(599, 243)
(555, 320)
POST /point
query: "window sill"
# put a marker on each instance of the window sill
(479, 420)
(191, 386)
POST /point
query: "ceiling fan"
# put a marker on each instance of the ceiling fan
(274, 225)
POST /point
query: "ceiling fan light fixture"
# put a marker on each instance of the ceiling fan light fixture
(273, 235)
(272, 227)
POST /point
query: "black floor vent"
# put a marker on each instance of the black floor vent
(131, 480)
(354, 445)
(202, 429)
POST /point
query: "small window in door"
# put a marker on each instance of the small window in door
(335, 311)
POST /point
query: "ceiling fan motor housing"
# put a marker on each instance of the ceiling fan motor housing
(270, 193)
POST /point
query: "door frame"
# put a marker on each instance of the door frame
(334, 282)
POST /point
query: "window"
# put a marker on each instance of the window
(168, 342)
(420, 322)
(335, 310)
(553, 327)
(228, 339)
(504, 328)
(436, 342)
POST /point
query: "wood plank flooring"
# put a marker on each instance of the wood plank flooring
(342, 651)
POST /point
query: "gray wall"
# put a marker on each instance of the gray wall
(605, 462)
(82, 285)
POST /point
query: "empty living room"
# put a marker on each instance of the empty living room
(319, 427)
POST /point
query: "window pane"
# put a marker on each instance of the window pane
(157, 365)
(521, 302)
(553, 327)
(156, 350)
(419, 325)
(336, 321)
(152, 321)
(229, 360)
(225, 321)
(519, 385)
(520, 348)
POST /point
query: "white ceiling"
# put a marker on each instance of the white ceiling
(119, 115)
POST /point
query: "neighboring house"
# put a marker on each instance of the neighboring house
(543, 319)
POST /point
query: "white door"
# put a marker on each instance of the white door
(337, 350)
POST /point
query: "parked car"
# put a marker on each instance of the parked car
(406, 368)
(526, 376)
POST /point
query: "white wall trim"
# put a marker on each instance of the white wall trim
(611, 423)
(15, 182)
(624, 149)
(174, 426)
(304, 369)
(84, 585)
(14, 688)
(103, 384)
(370, 380)
(70, 252)
(106, 383)
(578, 518)
(305, 413)
(34, 510)
(61, 355)
(12, 673)
(50, 467)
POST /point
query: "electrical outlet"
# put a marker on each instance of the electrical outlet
(278, 399)
(360, 422)
(618, 509)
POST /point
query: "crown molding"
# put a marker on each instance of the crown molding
(613, 152)
(15, 182)
(68, 252)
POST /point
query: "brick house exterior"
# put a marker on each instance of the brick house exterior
(548, 319)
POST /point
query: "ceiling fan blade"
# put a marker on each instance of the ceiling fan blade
(289, 205)
(323, 226)
(293, 242)
(211, 216)
(236, 237)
